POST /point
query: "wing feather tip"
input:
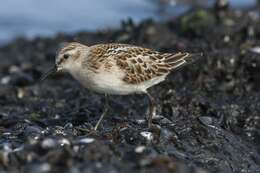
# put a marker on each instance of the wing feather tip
(185, 58)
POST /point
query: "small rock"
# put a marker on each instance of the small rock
(4, 159)
(85, 140)
(210, 121)
(206, 120)
(255, 50)
(32, 130)
(5, 80)
(140, 121)
(48, 143)
(64, 141)
(147, 135)
(140, 149)
(3, 114)
(21, 93)
(68, 126)
(226, 38)
(156, 117)
(14, 69)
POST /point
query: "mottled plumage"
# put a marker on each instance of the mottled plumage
(118, 68)
(139, 64)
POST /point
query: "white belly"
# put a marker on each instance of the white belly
(105, 82)
(112, 83)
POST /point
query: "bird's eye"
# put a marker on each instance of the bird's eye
(66, 56)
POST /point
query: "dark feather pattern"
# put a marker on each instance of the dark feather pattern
(139, 64)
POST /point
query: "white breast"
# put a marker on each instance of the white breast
(103, 82)
(111, 82)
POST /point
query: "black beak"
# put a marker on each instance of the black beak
(50, 72)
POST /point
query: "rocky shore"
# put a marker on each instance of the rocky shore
(208, 112)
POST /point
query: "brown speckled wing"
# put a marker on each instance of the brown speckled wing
(103, 54)
(139, 64)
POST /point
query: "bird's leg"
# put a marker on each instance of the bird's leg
(106, 108)
(152, 110)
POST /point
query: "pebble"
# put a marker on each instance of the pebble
(14, 69)
(48, 143)
(205, 120)
(4, 153)
(157, 117)
(255, 50)
(32, 130)
(21, 93)
(5, 80)
(64, 141)
(85, 140)
(140, 121)
(147, 135)
(165, 121)
(140, 149)
(210, 121)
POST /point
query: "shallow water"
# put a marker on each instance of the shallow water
(32, 18)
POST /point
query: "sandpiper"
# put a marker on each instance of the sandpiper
(117, 69)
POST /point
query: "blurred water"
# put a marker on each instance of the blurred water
(31, 18)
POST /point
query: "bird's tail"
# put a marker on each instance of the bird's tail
(180, 59)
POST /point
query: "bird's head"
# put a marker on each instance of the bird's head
(67, 58)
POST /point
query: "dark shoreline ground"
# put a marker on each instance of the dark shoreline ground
(210, 110)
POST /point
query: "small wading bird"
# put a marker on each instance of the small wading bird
(118, 69)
